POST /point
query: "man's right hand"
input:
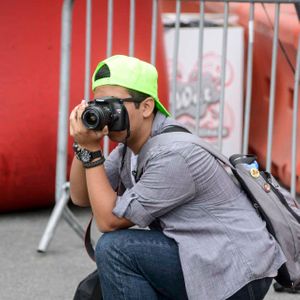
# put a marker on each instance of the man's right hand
(86, 138)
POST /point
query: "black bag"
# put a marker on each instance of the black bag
(89, 288)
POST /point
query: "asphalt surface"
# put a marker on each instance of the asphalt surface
(26, 274)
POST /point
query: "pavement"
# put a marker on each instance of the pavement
(26, 274)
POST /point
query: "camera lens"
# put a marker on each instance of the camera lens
(96, 117)
(91, 119)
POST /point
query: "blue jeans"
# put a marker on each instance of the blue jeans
(144, 265)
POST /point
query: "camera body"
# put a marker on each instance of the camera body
(106, 111)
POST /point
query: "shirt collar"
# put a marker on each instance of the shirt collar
(158, 123)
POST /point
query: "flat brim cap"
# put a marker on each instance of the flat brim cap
(132, 73)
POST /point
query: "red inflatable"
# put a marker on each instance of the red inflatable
(29, 86)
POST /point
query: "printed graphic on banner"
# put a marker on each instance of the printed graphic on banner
(187, 97)
(209, 100)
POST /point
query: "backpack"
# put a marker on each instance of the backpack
(276, 206)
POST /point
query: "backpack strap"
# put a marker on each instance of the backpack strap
(171, 136)
(175, 128)
(88, 242)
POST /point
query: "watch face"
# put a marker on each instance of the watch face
(85, 156)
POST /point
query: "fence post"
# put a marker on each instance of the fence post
(200, 93)
(272, 89)
(108, 53)
(295, 123)
(223, 75)
(249, 79)
(175, 58)
(153, 32)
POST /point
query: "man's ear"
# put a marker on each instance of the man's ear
(147, 107)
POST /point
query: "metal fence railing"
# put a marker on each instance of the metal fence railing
(61, 169)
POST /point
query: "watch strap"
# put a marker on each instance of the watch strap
(84, 155)
(94, 163)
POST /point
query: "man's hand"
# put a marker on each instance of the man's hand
(86, 138)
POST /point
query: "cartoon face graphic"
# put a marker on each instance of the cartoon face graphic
(191, 101)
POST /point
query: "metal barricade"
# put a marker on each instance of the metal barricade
(61, 179)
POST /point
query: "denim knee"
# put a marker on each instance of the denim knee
(104, 246)
(109, 245)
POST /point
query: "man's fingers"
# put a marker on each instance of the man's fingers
(79, 132)
(74, 113)
(71, 130)
(77, 111)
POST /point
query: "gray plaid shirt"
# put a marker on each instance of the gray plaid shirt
(223, 244)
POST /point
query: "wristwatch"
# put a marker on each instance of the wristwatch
(84, 155)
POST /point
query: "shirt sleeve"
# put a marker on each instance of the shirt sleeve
(111, 166)
(165, 184)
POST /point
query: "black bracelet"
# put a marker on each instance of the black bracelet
(95, 163)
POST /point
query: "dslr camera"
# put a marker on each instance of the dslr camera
(106, 111)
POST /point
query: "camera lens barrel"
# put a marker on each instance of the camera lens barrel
(96, 117)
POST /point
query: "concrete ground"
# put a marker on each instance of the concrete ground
(26, 274)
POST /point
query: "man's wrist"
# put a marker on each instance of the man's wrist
(76, 149)
(91, 148)
(86, 155)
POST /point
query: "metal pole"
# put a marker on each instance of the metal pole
(223, 75)
(200, 93)
(109, 27)
(131, 27)
(62, 187)
(154, 32)
(272, 89)
(64, 87)
(108, 53)
(249, 80)
(54, 218)
(88, 49)
(67, 213)
(73, 222)
(175, 57)
(295, 122)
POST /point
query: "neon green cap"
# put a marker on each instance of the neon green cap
(132, 73)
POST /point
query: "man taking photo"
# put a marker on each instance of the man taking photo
(206, 241)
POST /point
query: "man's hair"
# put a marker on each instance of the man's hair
(139, 97)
